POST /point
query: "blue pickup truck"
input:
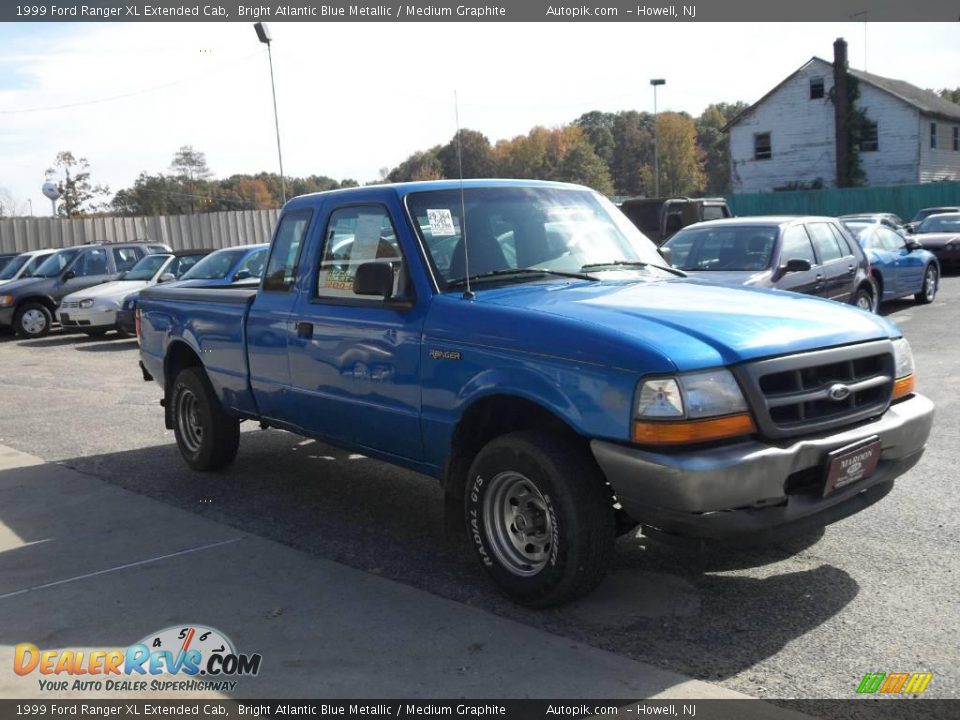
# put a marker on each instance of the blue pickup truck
(526, 345)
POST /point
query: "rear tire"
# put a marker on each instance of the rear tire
(865, 300)
(33, 320)
(207, 436)
(540, 517)
(931, 283)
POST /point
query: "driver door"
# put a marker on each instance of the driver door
(90, 268)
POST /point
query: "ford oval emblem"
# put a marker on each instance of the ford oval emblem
(838, 392)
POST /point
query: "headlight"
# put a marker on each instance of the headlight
(88, 303)
(903, 369)
(6, 300)
(697, 407)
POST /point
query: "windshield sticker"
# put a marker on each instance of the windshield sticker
(441, 222)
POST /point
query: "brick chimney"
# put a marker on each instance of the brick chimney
(841, 110)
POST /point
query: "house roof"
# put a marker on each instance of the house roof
(925, 101)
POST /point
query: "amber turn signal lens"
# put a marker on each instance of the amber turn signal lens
(903, 387)
(693, 431)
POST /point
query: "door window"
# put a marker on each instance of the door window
(285, 251)
(826, 243)
(796, 245)
(92, 262)
(126, 258)
(253, 264)
(356, 235)
(890, 240)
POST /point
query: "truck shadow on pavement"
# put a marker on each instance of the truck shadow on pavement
(710, 614)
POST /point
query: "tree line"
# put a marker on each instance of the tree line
(612, 152)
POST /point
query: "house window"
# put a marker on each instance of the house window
(869, 137)
(761, 146)
(816, 88)
(933, 136)
(956, 138)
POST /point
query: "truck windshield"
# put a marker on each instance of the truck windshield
(54, 265)
(215, 266)
(557, 230)
(728, 248)
(11, 268)
(146, 268)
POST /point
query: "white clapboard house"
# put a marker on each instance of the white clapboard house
(788, 138)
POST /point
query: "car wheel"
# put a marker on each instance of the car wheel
(864, 300)
(931, 282)
(207, 436)
(540, 517)
(33, 320)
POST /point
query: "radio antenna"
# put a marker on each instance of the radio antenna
(468, 293)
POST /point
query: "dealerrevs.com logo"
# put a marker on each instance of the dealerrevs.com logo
(191, 657)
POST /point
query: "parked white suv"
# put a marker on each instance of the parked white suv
(94, 310)
(23, 265)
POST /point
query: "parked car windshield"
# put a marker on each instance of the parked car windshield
(927, 212)
(146, 268)
(11, 268)
(723, 247)
(54, 265)
(940, 224)
(214, 266)
(553, 229)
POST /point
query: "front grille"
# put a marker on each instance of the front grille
(820, 390)
(71, 304)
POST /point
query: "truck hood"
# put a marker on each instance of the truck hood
(115, 290)
(760, 278)
(691, 324)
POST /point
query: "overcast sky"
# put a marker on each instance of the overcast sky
(360, 96)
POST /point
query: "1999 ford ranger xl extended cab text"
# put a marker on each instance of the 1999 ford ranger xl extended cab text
(526, 345)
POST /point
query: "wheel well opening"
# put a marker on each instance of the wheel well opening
(40, 300)
(483, 421)
(179, 356)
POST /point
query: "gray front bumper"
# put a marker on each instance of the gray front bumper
(742, 489)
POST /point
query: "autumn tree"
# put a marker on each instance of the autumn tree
(562, 153)
(681, 159)
(78, 195)
(422, 165)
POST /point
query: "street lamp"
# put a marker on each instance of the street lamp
(656, 139)
(263, 35)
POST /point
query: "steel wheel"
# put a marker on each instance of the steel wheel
(518, 525)
(188, 418)
(33, 321)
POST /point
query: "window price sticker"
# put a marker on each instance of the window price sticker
(441, 223)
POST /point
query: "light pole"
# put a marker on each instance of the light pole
(263, 34)
(656, 138)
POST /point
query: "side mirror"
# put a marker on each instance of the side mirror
(242, 275)
(911, 228)
(374, 278)
(914, 245)
(166, 277)
(666, 254)
(793, 265)
(69, 275)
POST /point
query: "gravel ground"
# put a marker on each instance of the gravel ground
(876, 592)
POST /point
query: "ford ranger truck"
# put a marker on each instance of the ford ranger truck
(524, 344)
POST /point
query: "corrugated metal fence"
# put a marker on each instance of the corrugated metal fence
(214, 230)
(904, 200)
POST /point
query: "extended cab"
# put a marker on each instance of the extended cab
(523, 343)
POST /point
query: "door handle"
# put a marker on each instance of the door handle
(851, 268)
(305, 330)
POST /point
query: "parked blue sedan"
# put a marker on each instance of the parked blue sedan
(900, 266)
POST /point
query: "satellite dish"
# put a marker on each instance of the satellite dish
(51, 190)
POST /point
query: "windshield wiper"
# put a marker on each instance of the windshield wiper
(631, 263)
(520, 271)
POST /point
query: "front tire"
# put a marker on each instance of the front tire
(33, 320)
(207, 436)
(931, 282)
(540, 517)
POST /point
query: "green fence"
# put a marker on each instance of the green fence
(904, 200)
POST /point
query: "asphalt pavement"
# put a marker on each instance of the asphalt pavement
(805, 619)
